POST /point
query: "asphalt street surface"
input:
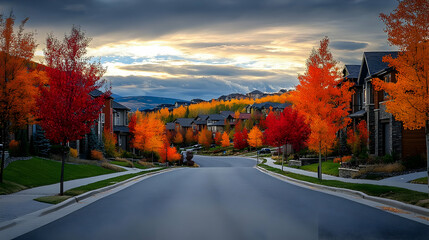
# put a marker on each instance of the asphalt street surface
(226, 198)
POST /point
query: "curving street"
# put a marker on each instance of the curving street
(226, 198)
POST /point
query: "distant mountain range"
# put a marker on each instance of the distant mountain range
(144, 102)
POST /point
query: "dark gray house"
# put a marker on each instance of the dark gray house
(120, 125)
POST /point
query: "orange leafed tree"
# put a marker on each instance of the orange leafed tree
(178, 139)
(225, 140)
(255, 137)
(189, 136)
(321, 100)
(18, 83)
(407, 27)
(205, 137)
(149, 134)
(218, 138)
(167, 153)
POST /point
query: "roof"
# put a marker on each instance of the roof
(359, 113)
(200, 122)
(116, 105)
(202, 117)
(226, 113)
(170, 126)
(184, 122)
(267, 105)
(124, 129)
(218, 123)
(245, 116)
(372, 63)
(216, 117)
(96, 93)
(353, 71)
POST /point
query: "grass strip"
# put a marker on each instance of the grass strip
(92, 186)
(37, 172)
(423, 180)
(394, 193)
(328, 167)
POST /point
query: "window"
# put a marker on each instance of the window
(387, 78)
(117, 119)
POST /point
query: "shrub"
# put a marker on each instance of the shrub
(414, 162)
(14, 148)
(146, 164)
(387, 159)
(109, 140)
(107, 165)
(73, 153)
(126, 154)
(385, 168)
(129, 163)
(343, 159)
(96, 155)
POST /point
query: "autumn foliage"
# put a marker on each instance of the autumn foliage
(357, 139)
(225, 140)
(240, 139)
(178, 139)
(255, 137)
(18, 82)
(218, 138)
(205, 137)
(189, 136)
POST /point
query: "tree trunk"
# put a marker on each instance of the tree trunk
(427, 150)
(63, 159)
(282, 159)
(319, 169)
(3, 138)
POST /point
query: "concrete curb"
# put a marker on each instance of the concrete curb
(390, 202)
(76, 199)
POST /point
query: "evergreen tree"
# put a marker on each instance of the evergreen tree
(40, 143)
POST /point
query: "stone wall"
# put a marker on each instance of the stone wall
(348, 172)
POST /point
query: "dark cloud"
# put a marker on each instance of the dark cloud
(348, 45)
(151, 18)
(198, 70)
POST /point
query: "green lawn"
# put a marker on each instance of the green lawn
(328, 167)
(38, 172)
(395, 193)
(92, 186)
(423, 180)
(125, 164)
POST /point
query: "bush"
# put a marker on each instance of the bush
(107, 165)
(109, 140)
(73, 153)
(14, 148)
(414, 162)
(96, 155)
(343, 159)
(384, 168)
(129, 163)
(387, 159)
(126, 154)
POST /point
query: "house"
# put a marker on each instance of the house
(255, 94)
(181, 103)
(263, 108)
(183, 124)
(216, 122)
(351, 74)
(171, 126)
(120, 125)
(386, 135)
(200, 122)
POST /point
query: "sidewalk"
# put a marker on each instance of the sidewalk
(397, 181)
(21, 203)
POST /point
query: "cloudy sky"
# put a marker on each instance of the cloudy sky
(206, 48)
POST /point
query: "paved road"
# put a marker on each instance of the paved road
(226, 199)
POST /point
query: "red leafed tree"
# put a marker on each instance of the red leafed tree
(65, 109)
(240, 139)
(287, 128)
(218, 138)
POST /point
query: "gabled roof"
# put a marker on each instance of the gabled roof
(116, 105)
(184, 122)
(200, 122)
(353, 71)
(372, 62)
(201, 117)
(216, 117)
(96, 93)
(170, 126)
(267, 105)
(226, 113)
